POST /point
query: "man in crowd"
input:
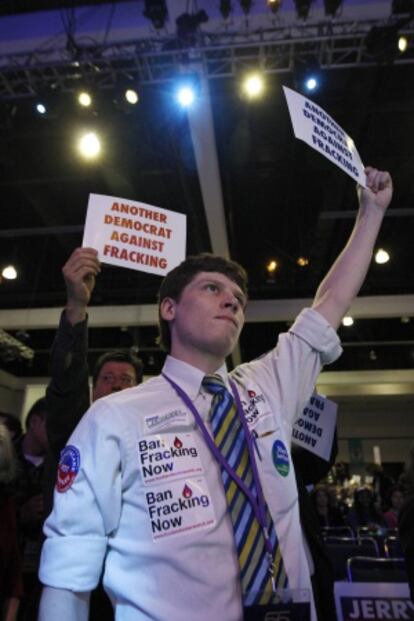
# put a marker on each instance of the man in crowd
(68, 393)
(184, 487)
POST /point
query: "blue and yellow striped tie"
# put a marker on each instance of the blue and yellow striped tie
(256, 582)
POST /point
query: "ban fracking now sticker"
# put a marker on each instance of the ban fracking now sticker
(168, 456)
(280, 458)
(179, 508)
(68, 468)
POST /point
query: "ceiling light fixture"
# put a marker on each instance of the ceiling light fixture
(188, 23)
(246, 5)
(381, 256)
(253, 85)
(225, 8)
(9, 272)
(274, 5)
(156, 11)
(84, 99)
(303, 8)
(332, 7)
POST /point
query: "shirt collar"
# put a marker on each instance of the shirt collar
(189, 378)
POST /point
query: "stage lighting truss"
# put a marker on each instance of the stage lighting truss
(219, 55)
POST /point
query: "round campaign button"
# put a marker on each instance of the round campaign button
(280, 458)
(68, 468)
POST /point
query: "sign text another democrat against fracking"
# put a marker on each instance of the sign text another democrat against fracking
(314, 430)
(135, 235)
(319, 130)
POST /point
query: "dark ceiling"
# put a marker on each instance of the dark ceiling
(281, 200)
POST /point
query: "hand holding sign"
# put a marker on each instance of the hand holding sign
(378, 191)
(79, 272)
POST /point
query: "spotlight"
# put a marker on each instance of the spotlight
(188, 23)
(225, 8)
(302, 261)
(156, 11)
(253, 85)
(331, 7)
(131, 96)
(311, 83)
(381, 256)
(246, 5)
(272, 266)
(84, 99)
(185, 95)
(303, 8)
(347, 321)
(274, 5)
(89, 146)
(307, 74)
(41, 108)
(9, 272)
(402, 44)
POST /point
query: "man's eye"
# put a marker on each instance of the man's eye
(211, 287)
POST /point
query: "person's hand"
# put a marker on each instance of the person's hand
(378, 193)
(32, 510)
(79, 273)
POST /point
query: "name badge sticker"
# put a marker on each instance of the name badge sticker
(179, 508)
(155, 422)
(168, 456)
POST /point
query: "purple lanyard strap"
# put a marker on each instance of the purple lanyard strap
(258, 504)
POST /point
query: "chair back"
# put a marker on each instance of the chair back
(340, 549)
(369, 569)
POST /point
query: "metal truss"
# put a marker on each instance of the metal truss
(219, 55)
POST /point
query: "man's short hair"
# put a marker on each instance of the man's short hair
(119, 355)
(38, 409)
(175, 282)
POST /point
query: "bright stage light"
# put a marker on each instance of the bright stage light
(131, 96)
(89, 146)
(253, 85)
(41, 108)
(84, 99)
(186, 96)
(9, 273)
(311, 83)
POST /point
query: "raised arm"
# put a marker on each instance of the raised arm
(341, 285)
(68, 390)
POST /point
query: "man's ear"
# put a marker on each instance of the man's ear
(167, 309)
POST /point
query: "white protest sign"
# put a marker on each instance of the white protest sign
(319, 130)
(314, 429)
(373, 600)
(135, 235)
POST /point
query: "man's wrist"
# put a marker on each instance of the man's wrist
(75, 313)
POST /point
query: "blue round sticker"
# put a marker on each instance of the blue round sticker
(68, 468)
(280, 458)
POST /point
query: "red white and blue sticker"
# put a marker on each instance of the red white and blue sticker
(68, 468)
(281, 458)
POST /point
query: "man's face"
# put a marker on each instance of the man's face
(112, 377)
(207, 319)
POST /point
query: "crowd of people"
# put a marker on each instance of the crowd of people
(241, 531)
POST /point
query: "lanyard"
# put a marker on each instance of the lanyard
(258, 504)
